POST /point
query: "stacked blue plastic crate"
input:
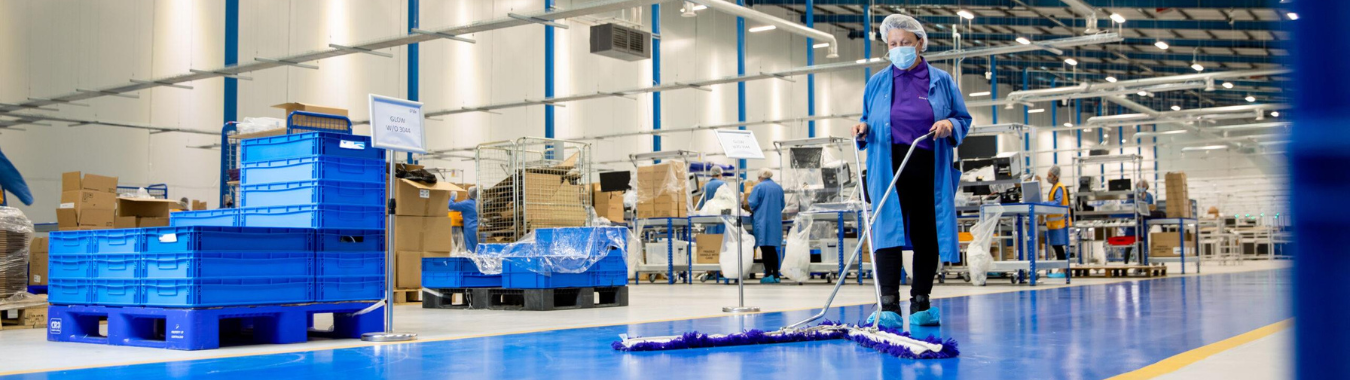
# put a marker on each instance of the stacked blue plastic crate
(331, 183)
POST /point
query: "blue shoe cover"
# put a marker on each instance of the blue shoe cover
(1055, 275)
(928, 317)
(889, 319)
(769, 280)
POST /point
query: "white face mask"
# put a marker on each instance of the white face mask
(903, 56)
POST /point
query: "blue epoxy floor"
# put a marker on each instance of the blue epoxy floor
(1086, 332)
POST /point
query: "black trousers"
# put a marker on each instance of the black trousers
(1059, 252)
(915, 191)
(769, 254)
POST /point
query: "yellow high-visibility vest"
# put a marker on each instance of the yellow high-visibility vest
(1056, 222)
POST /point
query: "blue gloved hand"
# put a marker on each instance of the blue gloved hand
(889, 319)
(12, 181)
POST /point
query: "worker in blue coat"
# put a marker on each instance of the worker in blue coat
(766, 209)
(469, 209)
(907, 100)
(710, 189)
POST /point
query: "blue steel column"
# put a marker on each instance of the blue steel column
(810, 78)
(231, 59)
(1078, 122)
(1155, 154)
(1054, 123)
(1026, 120)
(740, 86)
(1320, 144)
(656, 77)
(548, 73)
(993, 90)
(867, 41)
(413, 54)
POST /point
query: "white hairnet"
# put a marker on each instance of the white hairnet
(717, 172)
(473, 192)
(1054, 170)
(765, 174)
(905, 23)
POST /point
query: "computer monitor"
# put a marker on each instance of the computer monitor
(615, 181)
(1031, 192)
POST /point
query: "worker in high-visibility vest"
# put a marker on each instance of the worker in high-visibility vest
(1057, 226)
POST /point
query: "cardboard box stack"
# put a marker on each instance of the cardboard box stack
(37, 261)
(87, 202)
(662, 190)
(608, 205)
(1178, 196)
(137, 212)
(421, 227)
(1164, 244)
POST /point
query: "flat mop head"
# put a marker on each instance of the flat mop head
(896, 343)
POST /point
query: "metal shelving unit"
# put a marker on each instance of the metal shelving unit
(1024, 135)
(1128, 217)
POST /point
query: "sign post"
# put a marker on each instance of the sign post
(395, 125)
(739, 144)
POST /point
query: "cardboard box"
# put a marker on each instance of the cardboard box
(436, 234)
(75, 181)
(37, 261)
(413, 198)
(96, 218)
(408, 233)
(124, 222)
(295, 106)
(1162, 244)
(709, 248)
(67, 219)
(408, 268)
(152, 222)
(198, 205)
(85, 199)
(145, 208)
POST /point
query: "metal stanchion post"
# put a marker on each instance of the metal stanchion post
(740, 256)
(389, 335)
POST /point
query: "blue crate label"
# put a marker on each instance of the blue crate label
(424, 193)
(168, 238)
(54, 326)
(357, 145)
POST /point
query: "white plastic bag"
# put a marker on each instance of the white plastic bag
(723, 200)
(727, 259)
(977, 253)
(797, 257)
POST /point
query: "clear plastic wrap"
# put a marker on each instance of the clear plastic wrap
(260, 124)
(726, 260)
(723, 200)
(634, 247)
(815, 177)
(663, 190)
(797, 256)
(555, 250)
(16, 232)
(982, 234)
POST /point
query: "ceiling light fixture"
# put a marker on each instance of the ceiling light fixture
(1227, 84)
(1292, 15)
(1197, 66)
(1176, 108)
(764, 28)
(985, 93)
(1111, 79)
(1161, 45)
(1251, 99)
(965, 14)
(1071, 61)
(1143, 93)
(1023, 40)
(1274, 113)
(1117, 18)
(1037, 110)
(1068, 125)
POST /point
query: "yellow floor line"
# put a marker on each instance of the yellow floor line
(1174, 363)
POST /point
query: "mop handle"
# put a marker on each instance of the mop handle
(867, 230)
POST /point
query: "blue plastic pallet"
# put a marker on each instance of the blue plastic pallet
(227, 292)
(301, 145)
(69, 291)
(348, 288)
(319, 168)
(316, 216)
(348, 240)
(203, 329)
(226, 217)
(455, 272)
(369, 263)
(199, 238)
(226, 264)
(312, 192)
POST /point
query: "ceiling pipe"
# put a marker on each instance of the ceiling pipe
(1180, 116)
(1127, 103)
(1089, 86)
(1087, 12)
(790, 27)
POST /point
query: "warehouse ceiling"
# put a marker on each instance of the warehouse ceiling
(1220, 35)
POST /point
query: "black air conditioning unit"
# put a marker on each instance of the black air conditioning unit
(621, 42)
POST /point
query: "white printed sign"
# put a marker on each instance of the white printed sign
(739, 144)
(396, 124)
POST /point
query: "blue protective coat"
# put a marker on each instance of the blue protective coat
(469, 209)
(709, 190)
(947, 103)
(766, 209)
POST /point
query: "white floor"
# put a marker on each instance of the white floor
(28, 350)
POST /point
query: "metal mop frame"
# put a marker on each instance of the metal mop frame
(893, 342)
